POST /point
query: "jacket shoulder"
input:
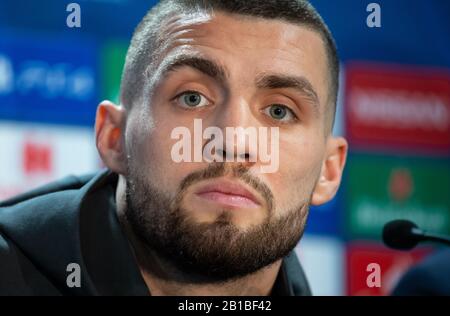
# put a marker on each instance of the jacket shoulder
(18, 274)
(68, 183)
(39, 234)
(42, 210)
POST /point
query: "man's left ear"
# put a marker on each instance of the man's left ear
(331, 172)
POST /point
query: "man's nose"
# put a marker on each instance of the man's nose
(239, 129)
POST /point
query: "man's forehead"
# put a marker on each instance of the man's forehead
(203, 22)
(219, 29)
(187, 29)
(179, 21)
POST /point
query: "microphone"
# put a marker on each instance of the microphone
(405, 235)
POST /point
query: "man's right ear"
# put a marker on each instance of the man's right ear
(109, 136)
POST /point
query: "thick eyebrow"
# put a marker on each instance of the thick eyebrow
(201, 64)
(298, 83)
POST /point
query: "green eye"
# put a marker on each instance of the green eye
(277, 112)
(192, 99)
(280, 113)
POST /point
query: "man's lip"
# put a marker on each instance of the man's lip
(220, 189)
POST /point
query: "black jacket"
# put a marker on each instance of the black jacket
(74, 221)
(430, 277)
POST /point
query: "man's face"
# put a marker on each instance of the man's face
(230, 217)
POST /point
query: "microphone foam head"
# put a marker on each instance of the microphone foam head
(398, 234)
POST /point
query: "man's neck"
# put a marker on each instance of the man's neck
(163, 278)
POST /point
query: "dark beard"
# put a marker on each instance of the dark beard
(208, 252)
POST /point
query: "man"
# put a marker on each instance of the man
(153, 223)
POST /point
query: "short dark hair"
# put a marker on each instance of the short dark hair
(147, 36)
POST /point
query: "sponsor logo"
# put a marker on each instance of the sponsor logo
(398, 109)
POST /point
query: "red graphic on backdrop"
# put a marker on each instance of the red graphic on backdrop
(37, 158)
(397, 107)
(393, 264)
(401, 184)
